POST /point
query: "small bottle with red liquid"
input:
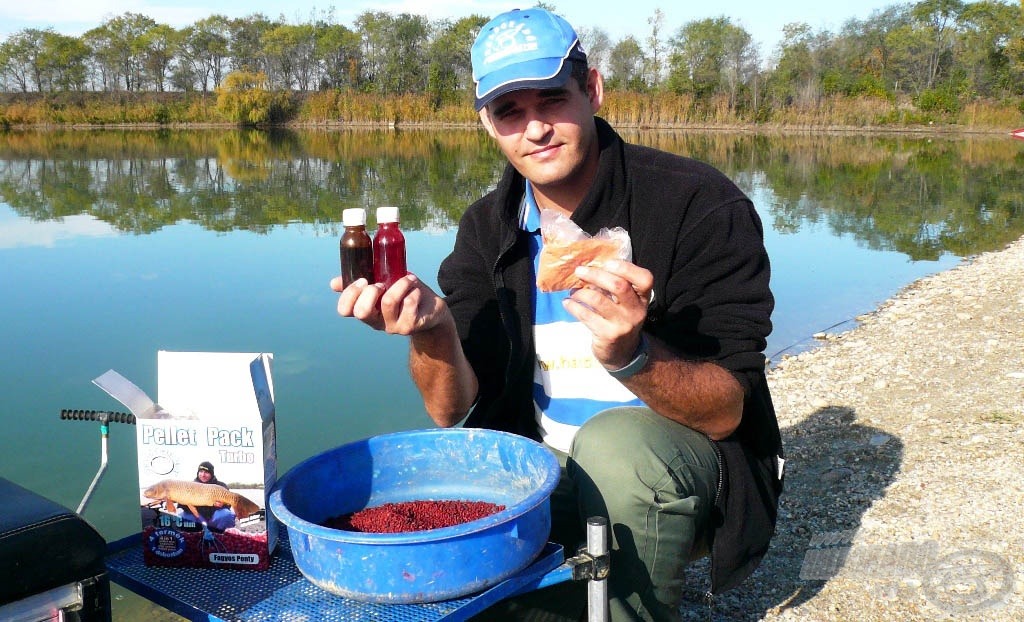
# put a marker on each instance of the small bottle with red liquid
(388, 248)
(356, 248)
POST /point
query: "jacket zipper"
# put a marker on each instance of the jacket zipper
(721, 470)
(709, 596)
(498, 283)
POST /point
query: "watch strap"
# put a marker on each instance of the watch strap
(633, 367)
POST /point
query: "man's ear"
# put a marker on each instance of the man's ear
(595, 89)
(485, 118)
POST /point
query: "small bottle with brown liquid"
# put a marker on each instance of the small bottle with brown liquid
(356, 248)
(388, 248)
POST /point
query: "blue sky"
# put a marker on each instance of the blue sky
(762, 19)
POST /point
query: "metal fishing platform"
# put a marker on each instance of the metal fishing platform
(281, 593)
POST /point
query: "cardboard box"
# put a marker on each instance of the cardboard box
(215, 415)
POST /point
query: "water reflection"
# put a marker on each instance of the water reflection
(922, 197)
(18, 232)
(226, 180)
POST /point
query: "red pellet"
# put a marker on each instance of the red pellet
(413, 516)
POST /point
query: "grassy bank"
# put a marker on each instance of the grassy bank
(626, 109)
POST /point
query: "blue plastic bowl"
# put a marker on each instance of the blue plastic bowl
(437, 464)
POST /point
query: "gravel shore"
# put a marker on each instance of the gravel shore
(904, 493)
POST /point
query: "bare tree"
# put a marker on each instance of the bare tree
(656, 45)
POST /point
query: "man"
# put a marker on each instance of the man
(648, 381)
(217, 517)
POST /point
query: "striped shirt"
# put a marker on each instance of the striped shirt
(569, 384)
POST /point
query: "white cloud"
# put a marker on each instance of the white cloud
(21, 232)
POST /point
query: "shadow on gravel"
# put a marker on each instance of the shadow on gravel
(835, 469)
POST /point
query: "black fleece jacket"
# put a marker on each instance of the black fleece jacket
(701, 238)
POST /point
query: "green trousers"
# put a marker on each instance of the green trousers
(655, 481)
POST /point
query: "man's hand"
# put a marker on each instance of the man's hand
(406, 308)
(613, 305)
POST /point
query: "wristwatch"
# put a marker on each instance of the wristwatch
(633, 367)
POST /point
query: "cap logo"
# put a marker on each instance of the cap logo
(508, 38)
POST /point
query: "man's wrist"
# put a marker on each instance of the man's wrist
(635, 366)
(437, 339)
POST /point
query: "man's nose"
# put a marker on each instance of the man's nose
(537, 128)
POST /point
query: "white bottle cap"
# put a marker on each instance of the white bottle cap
(353, 217)
(387, 214)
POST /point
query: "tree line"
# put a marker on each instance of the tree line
(933, 55)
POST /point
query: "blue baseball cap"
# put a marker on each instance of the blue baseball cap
(523, 49)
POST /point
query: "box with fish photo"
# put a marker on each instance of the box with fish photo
(207, 459)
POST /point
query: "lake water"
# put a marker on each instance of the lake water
(114, 245)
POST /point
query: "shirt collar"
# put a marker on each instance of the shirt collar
(529, 213)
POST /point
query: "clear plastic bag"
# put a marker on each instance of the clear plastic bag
(566, 246)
